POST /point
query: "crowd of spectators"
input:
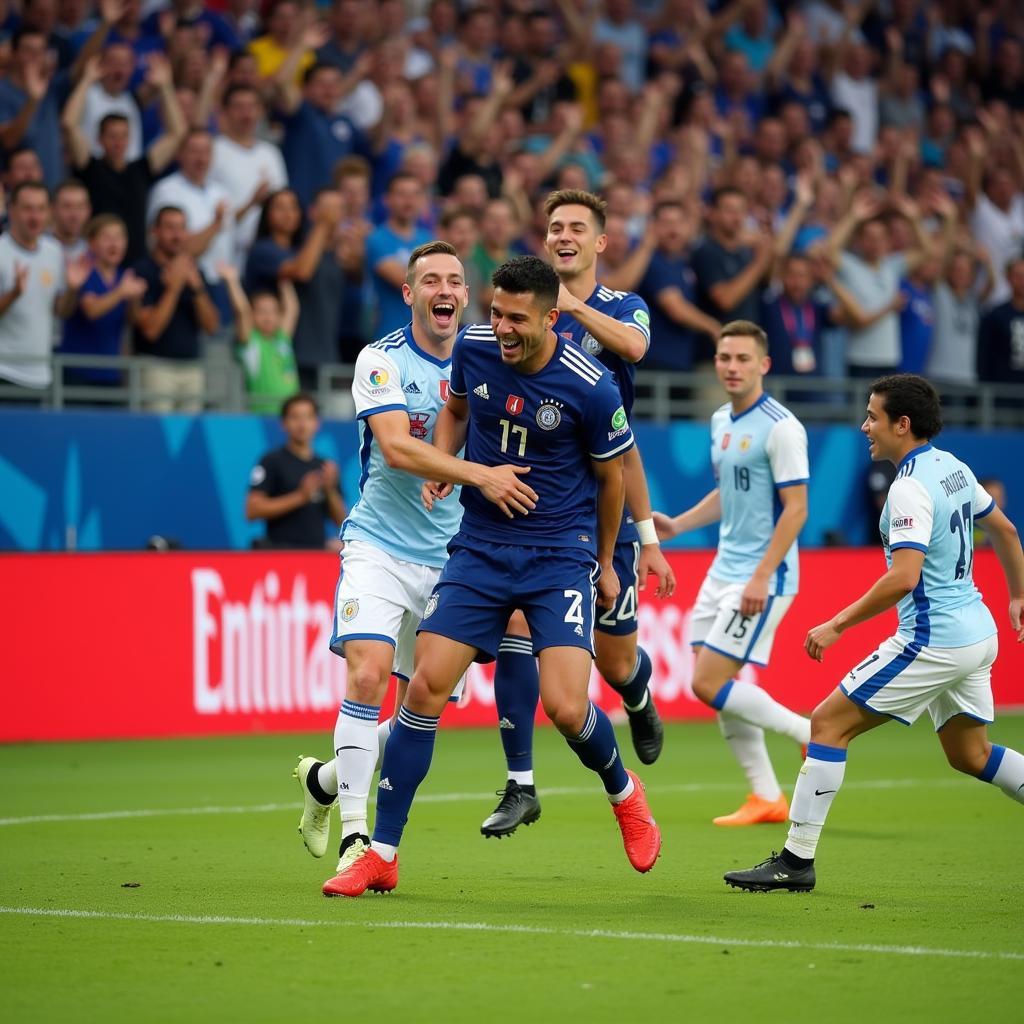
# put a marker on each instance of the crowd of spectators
(851, 175)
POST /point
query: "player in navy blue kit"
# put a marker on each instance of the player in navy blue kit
(536, 400)
(614, 328)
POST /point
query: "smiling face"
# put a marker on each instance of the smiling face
(573, 240)
(522, 326)
(741, 365)
(109, 245)
(438, 296)
(886, 437)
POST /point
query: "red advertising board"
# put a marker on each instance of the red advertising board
(178, 644)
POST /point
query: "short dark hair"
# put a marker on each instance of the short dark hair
(26, 186)
(523, 274)
(577, 197)
(108, 119)
(236, 90)
(69, 185)
(435, 248)
(314, 69)
(668, 204)
(726, 190)
(745, 329)
(25, 30)
(402, 176)
(907, 394)
(163, 211)
(297, 399)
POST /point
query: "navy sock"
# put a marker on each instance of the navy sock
(516, 692)
(597, 750)
(633, 689)
(406, 762)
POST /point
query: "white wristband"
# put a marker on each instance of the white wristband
(648, 534)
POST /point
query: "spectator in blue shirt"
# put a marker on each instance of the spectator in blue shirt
(388, 249)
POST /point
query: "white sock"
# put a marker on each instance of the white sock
(747, 744)
(523, 778)
(816, 786)
(385, 852)
(617, 798)
(1005, 769)
(383, 732)
(327, 776)
(355, 745)
(641, 705)
(753, 705)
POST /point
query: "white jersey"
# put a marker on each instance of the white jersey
(755, 455)
(931, 507)
(392, 374)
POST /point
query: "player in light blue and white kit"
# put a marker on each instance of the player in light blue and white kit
(394, 548)
(940, 659)
(759, 453)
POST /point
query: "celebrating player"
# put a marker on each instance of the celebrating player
(940, 659)
(532, 398)
(614, 327)
(759, 453)
(394, 549)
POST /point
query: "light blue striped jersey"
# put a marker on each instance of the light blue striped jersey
(754, 455)
(396, 374)
(931, 507)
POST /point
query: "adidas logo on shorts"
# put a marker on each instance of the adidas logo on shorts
(481, 390)
(385, 784)
(506, 724)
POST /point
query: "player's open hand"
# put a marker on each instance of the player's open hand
(754, 596)
(1017, 617)
(820, 638)
(654, 563)
(607, 587)
(434, 490)
(512, 495)
(665, 526)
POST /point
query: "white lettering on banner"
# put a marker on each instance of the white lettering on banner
(272, 649)
(664, 632)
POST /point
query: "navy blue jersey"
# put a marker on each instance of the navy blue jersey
(627, 308)
(555, 421)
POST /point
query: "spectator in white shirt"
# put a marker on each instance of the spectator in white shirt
(112, 94)
(246, 167)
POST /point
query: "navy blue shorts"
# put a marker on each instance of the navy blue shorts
(621, 620)
(481, 586)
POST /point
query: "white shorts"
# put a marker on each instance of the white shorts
(716, 623)
(380, 597)
(902, 679)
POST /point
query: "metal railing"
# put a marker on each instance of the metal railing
(661, 396)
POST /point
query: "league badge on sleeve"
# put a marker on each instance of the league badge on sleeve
(514, 405)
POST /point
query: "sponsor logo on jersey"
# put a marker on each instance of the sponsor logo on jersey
(584, 538)
(591, 345)
(902, 523)
(431, 606)
(257, 476)
(378, 378)
(481, 390)
(725, 441)
(350, 609)
(444, 389)
(548, 416)
(412, 388)
(745, 441)
(641, 317)
(514, 404)
(619, 420)
(419, 423)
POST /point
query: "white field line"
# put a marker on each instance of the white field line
(428, 798)
(518, 929)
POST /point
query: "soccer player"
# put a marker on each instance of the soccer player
(532, 398)
(394, 549)
(614, 327)
(940, 659)
(759, 454)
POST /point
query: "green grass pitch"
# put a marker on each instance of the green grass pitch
(180, 915)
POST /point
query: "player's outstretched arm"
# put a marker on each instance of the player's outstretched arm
(611, 493)
(707, 511)
(787, 529)
(1002, 534)
(500, 484)
(886, 592)
(624, 339)
(638, 501)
